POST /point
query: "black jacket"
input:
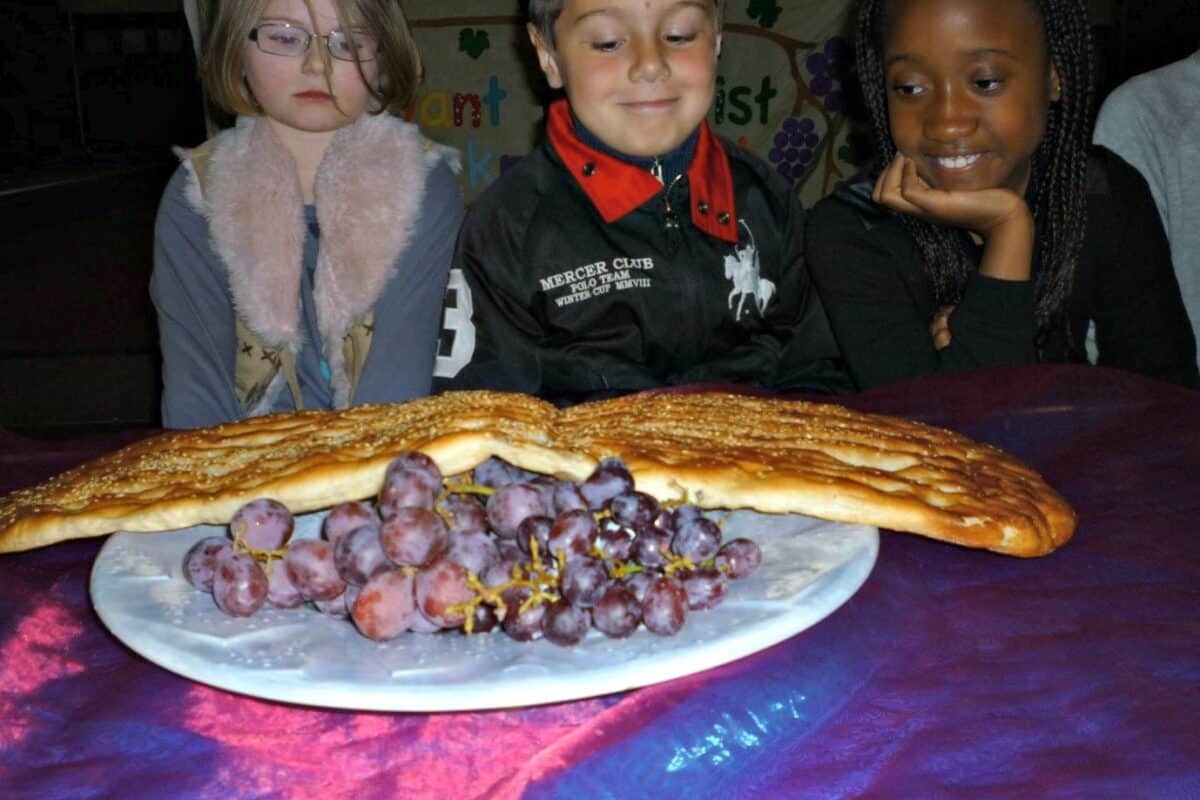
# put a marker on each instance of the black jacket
(880, 301)
(578, 275)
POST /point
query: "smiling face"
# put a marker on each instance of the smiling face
(969, 85)
(295, 93)
(639, 74)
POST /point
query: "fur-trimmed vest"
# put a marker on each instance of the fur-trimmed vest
(368, 192)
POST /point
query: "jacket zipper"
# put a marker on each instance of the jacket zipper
(672, 221)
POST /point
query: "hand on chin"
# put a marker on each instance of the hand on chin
(980, 211)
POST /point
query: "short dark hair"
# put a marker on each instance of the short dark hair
(544, 13)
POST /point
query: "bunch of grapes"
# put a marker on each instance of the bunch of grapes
(532, 555)
(793, 147)
(828, 67)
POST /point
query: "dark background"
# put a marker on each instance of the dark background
(93, 93)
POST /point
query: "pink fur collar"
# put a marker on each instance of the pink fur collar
(368, 192)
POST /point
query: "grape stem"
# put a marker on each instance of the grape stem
(264, 557)
(536, 579)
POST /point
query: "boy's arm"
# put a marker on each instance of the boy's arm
(808, 359)
(488, 338)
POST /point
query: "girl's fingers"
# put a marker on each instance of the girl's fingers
(913, 188)
(939, 328)
(889, 189)
(888, 181)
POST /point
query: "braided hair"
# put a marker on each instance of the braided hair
(1059, 169)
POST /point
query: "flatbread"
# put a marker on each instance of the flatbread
(718, 450)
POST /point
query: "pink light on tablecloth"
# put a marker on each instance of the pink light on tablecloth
(267, 744)
(36, 654)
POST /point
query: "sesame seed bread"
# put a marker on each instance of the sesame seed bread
(715, 449)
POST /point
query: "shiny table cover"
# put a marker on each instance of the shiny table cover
(951, 673)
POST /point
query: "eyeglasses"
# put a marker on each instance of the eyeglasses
(281, 39)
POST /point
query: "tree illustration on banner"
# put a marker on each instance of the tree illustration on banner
(811, 140)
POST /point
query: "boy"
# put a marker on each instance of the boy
(634, 249)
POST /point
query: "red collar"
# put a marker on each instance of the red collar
(617, 188)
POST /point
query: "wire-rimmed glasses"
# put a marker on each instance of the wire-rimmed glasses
(282, 39)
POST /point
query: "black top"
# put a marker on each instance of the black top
(880, 302)
(550, 298)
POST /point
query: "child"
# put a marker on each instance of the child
(301, 256)
(992, 236)
(1153, 122)
(635, 248)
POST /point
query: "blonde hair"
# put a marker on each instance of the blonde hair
(222, 72)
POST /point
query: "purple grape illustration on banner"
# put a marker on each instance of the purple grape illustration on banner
(793, 147)
(827, 68)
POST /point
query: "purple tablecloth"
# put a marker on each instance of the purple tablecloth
(952, 672)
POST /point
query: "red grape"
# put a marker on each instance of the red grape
(572, 532)
(739, 557)
(423, 465)
(652, 547)
(263, 524)
(496, 472)
(609, 479)
(632, 508)
(385, 606)
(413, 536)
(617, 612)
(359, 555)
(665, 606)
(525, 626)
(440, 586)
(240, 585)
(565, 624)
(484, 619)
(476, 551)
(336, 607)
(281, 592)
(345, 517)
(200, 563)
(698, 539)
(615, 541)
(510, 505)
(311, 566)
(638, 583)
(583, 581)
(538, 529)
(567, 497)
(405, 488)
(705, 587)
(466, 513)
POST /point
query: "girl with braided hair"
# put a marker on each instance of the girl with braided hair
(991, 232)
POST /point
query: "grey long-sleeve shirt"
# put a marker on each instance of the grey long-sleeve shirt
(190, 290)
(1153, 122)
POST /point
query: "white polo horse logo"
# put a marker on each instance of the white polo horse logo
(742, 268)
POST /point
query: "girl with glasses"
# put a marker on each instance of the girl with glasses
(301, 255)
